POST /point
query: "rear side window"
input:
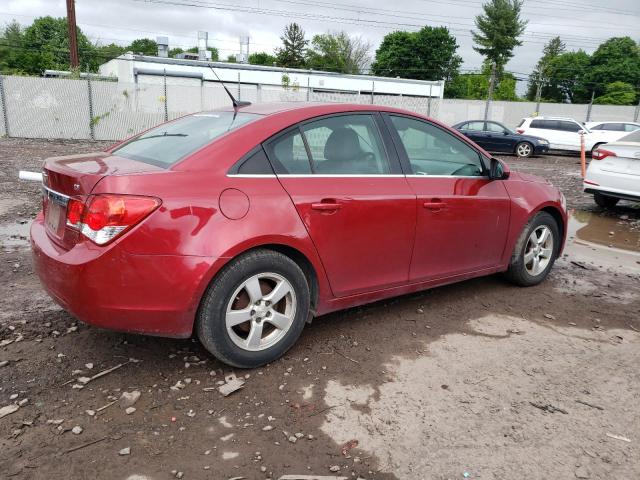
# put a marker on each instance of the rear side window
(494, 127)
(167, 144)
(433, 151)
(346, 144)
(255, 164)
(289, 154)
(630, 127)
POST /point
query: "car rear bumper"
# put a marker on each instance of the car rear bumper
(111, 288)
(614, 184)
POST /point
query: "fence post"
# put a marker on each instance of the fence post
(429, 105)
(92, 126)
(635, 114)
(239, 97)
(593, 94)
(373, 89)
(166, 108)
(5, 115)
(259, 93)
(308, 85)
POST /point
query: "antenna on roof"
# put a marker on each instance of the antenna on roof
(236, 103)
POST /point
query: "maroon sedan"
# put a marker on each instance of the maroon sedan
(242, 225)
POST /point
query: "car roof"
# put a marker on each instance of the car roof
(553, 118)
(313, 108)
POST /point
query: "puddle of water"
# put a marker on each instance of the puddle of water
(603, 241)
(14, 234)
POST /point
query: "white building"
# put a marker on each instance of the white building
(140, 69)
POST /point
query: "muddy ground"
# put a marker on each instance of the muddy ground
(475, 380)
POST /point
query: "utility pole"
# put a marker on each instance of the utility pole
(73, 39)
(635, 114)
(593, 94)
(538, 94)
(492, 83)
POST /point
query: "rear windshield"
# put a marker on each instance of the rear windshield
(167, 144)
(632, 137)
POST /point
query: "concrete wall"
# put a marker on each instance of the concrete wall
(107, 110)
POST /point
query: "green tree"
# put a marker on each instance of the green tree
(262, 58)
(175, 51)
(231, 58)
(569, 71)
(45, 45)
(616, 60)
(618, 93)
(294, 45)
(338, 52)
(214, 52)
(143, 46)
(499, 29)
(104, 53)
(11, 48)
(475, 86)
(428, 54)
(549, 87)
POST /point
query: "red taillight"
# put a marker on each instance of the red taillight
(520, 130)
(74, 212)
(104, 217)
(601, 154)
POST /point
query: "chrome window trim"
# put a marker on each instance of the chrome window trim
(57, 197)
(347, 175)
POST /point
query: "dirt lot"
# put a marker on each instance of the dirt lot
(475, 380)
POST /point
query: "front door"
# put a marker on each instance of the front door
(351, 196)
(462, 216)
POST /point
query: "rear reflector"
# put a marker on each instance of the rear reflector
(588, 182)
(601, 154)
(104, 217)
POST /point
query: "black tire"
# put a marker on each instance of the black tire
(517, 272)
(522, 151)
(211, 317)
(605, 201)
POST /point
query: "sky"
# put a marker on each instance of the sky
(580, 24)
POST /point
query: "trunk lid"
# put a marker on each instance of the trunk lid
(627, 159)
(74, 177)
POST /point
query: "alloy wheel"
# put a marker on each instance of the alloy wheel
(524, 150)
(261, 311)
(539, 250)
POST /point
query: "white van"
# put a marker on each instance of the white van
(561, 133)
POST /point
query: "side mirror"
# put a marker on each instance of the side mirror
(498, 170)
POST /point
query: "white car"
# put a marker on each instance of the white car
(605, 132)
(614, 171)
(562, 133)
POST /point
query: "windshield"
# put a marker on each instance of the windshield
(632, 137)
(167, 144)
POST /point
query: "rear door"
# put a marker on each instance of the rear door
(462, 216)
(352, 197)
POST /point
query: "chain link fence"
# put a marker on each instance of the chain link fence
(35, 107)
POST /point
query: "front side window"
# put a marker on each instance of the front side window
(433, 151)
(346, 145)
(569, 126)
(475, 126)
(166, 144)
